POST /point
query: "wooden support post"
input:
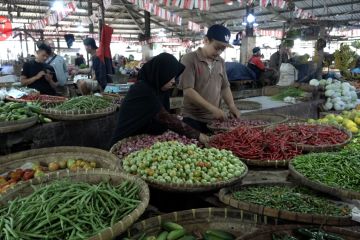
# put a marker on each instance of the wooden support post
(320, 54)
(147, 48)
(26, 42)
(21, 45)
(58, 45)
(102, 18)
(90, 13)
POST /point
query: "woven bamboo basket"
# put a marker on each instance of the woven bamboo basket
(77, 115)
(266, 234)
(51, 99)
(266, 163)
(190, 188)
(91, 176)
(271, 118)
(43, 156)
(246, 105)
(320, 148)
(13, 126)
(225, 195)
(234, 221)
(336, 192)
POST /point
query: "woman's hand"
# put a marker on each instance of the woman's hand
(204, 139)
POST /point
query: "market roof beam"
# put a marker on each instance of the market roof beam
(133, 17)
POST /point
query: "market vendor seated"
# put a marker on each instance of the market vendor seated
(33, 74)
(143, 110)
(266, 76)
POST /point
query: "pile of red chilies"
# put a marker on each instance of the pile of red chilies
(256, 144)
(42, 98)
(316, 135)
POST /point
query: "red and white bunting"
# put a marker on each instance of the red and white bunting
(155, 9)
(194, 26)
(54, 17)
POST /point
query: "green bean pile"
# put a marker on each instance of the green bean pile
(294, 199)
(89, 103)
(336, 169)
(67, 210)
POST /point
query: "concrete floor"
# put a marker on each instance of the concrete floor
(266, 103)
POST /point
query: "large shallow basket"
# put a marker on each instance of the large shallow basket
(322, 148)
(200, 220)
(266, 234)
(271, 118)
(266, 163)
(13, 126)
(77, 115)
(336, 192)
(44, 156)
(50, 99)
(190, 188)
(225, 195)
(92, 176)
(246, 105)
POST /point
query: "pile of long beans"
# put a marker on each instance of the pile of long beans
(336, 169)
(67, 210)
(89, 103)
(294, 199)
(256, 144)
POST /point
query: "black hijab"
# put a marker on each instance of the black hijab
(145, 98)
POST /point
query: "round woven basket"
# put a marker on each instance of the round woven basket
(77, 115)
(51, 99)
(320, 148)
(271, 118)
(246, 105)
(336, 192)
(266, 163)
(225, 196)
(266, 234)
(44, 156)
(91, 176)
(185, 187)
(231, 220)
(13, 126)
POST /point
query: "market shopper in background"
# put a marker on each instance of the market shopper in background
(33, 72)
(79, 60)
(279, 57)
(97, 82)
(59, 65)
(265, 76)
(143, 109)
(204, 81)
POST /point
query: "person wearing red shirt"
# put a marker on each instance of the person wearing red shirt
(263, 74)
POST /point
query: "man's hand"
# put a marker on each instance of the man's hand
(74, 71)
(218, 113)
(40, 75)
(234, 112)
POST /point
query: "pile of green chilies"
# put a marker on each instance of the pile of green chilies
(90, 103)
(67, 210)
(294, 199)
(335, 169)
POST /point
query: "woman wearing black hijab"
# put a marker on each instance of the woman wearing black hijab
(146, 105)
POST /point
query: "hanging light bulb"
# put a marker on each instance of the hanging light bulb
(250, 18)
(57, 6)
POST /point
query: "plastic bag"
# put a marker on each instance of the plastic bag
(288, 74)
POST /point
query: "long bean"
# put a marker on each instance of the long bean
(90, 103)
(294, 199)
(67, 210)
(335, 169)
